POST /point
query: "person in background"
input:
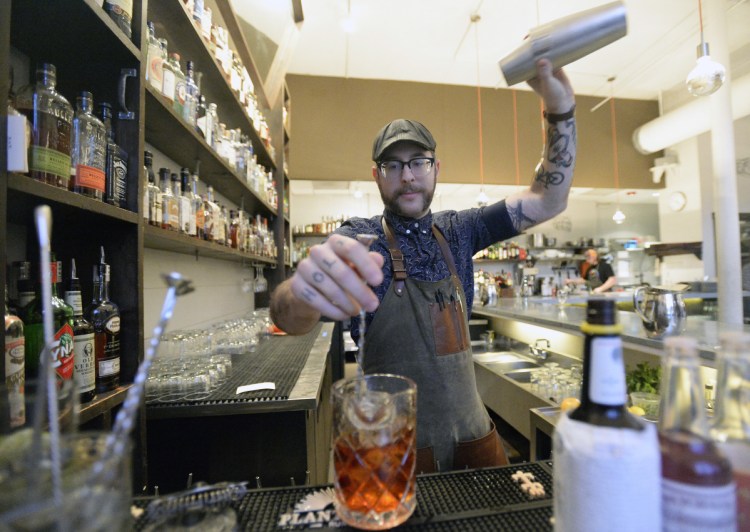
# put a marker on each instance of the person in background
(418, 276)
(597, 274)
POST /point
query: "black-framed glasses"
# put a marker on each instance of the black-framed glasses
(419, 166)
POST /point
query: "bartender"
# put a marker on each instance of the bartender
(421, 273)
(597, 274)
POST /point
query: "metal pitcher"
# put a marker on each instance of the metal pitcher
(661, 309)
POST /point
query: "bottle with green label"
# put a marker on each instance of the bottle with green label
(51, 119)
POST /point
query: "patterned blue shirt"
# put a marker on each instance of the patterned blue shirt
(466, 231)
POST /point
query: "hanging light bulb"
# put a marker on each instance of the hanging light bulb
(482, 199)
(618, 217)
(707, 75)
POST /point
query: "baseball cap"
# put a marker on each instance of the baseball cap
(402, 130)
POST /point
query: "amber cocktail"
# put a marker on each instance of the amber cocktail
(374, 453)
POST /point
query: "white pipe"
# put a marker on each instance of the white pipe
(691, 119)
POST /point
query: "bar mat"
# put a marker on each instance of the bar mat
(278, 359)
(480, 499)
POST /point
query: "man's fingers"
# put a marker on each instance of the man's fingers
(307, 293)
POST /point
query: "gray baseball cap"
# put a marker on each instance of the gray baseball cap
(402, 130)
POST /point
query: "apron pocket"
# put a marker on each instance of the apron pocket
(486, 451)
(447, 329)
(425, 461)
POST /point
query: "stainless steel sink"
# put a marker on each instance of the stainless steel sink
(520, 376)
(510, 366)
(501, 357)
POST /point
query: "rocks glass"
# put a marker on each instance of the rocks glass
(374, 452)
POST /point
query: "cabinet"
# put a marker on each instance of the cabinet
(90, 53)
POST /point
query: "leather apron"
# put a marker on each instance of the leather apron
(421, 331)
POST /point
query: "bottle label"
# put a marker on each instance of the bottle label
(63, 352)
(156, 214)
(73, 298)
(155, 72)
(173, 215)
(185, 215)
(50, 161)
(121, 6)
(167, 88)
(607, 371)
(113, 325)
(200, 218)
(18, 144)
(109, 367)
(89, 177)
(15, 380)
(687, 507)
(146, 205)
(85, 367)
(120, 170)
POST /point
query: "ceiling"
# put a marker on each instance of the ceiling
(434, 41)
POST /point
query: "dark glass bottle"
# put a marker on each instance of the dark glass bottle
(23, 286)
(15, 377)
(62, 324)
(116, 184)
(83, 339)
(121, 11)
(698, 490)
(105, 316)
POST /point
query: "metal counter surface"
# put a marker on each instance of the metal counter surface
(545, 312)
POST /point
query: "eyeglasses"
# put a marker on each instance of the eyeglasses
(419, 166)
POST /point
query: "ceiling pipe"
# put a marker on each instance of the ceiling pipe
(689, 121)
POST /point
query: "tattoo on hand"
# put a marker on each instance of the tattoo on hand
(308, 294)
(318, 277)
(329, 264)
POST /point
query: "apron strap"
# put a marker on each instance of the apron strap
(397, 258)
(447, 255)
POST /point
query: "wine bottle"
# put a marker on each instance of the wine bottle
(606, 460)
(698, 490)
(729, 430)
(83, 339)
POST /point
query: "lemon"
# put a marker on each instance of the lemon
(569, 403)
(636, 410)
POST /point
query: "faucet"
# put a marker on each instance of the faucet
(540, 348)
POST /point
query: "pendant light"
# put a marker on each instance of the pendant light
(618, 217)
(482, 198)
(707, 75)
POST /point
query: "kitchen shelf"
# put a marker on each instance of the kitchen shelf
(681, 248)
(102, 403)
(163, 239)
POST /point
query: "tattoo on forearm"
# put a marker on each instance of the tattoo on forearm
(518, 218)
(558, 152)
(329, 264)
(308, 294)
(318, 277)
(548, 179)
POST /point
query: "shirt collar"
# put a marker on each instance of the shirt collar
(401, 224)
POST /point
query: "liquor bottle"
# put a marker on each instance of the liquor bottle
(213, 218)
(201, 116)
(729, 430)
(600, 441)
(152, 195)
(51, 119)
(116, 182)
(89, 151)
(168, 202)
(234, 230)
(223, 237)
(168, 75)
(154, 72)
(62, 324)
(148, 172)
(187, 217)
(698, 491)
(180, 88)
(19, 134)
(121, 11)
(190, 106)
(200, 218)
(83, 339)
(15, 378)
(105, 317)
(22, 286)
(174, 208)
(212, 124)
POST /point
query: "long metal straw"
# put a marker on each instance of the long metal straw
(367, 241)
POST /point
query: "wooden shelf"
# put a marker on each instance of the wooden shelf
(313, 235)
(102, 403)
(680, 248)
(163, 239)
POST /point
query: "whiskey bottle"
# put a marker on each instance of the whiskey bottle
(63, 352)
(89, 152)
(51, 119)
(22, 287)
(154, 72)
(105, 317)
(187, 219)
(178, 103)
(152, 195)
(601, 439)
(729, 430)
(116, 178)
(190, 106)
(698, 490)
(200, 217)
(83, 339)
(121, 11)
(168, 203)
(174, 207)
(213, 217)
(14, 369)
(168, 75)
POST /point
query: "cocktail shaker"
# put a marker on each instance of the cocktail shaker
(565, 40)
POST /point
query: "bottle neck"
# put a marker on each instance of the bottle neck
(603, 371)
(103, 290)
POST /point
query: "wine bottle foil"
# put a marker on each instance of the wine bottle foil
(565, 40)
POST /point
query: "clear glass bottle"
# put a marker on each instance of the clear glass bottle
(201, 116)
(121, 11)
(187, 218)
(116, 178)
(730, 427)
(152, 196)
(15, 377)
(190, 107)
(174, 206)
(197, 202)
(180, 88)
(83, 339)
(154, 60)
(89, 152)
(212, 125)
(168, 75)
(51, 119)
(213, 217)
(698, 490)
(105, 317)
(168, 204)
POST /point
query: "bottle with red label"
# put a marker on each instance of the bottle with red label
(14, 369)
(63, 352)
(89, 153)
(105, 316)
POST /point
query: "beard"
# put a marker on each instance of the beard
(410, 211)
